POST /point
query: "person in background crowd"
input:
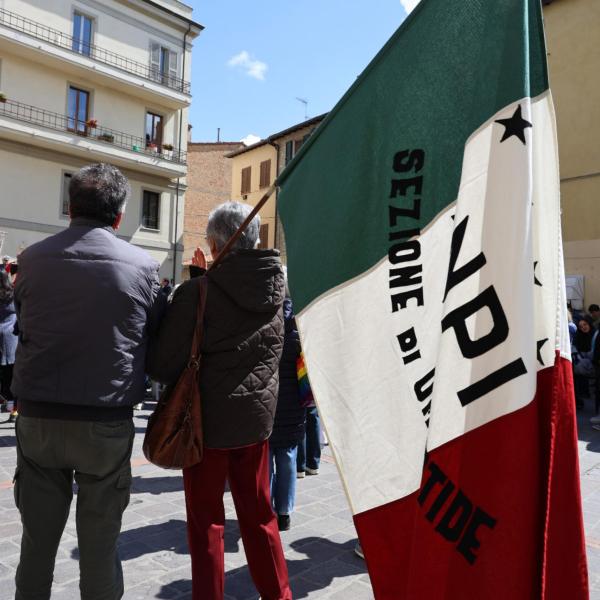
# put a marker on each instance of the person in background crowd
(239, 376)
(8, 342)
(594, 311)
(6, 263)
(582, 352)
(309, 449)
(572, 326)
(288, 429)
(86, 303)
(165, 287)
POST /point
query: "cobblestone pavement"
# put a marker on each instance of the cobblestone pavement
(318, 548)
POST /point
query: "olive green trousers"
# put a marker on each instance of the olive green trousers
(51, 454)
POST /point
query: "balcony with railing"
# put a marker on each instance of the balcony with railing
(91, 131)
(77, 46)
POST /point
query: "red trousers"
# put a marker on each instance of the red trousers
(247, 470)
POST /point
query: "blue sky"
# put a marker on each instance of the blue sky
(254, 58)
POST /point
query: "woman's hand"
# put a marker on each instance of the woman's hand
(199, 258)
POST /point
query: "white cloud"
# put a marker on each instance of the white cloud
(409, 5)
(250, 139)
(252, 67)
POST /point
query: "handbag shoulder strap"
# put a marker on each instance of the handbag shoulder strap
(197, 341)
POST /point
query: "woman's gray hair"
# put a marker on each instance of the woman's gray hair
(100, 192)
(225, 220)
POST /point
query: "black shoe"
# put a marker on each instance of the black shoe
(12, 418)
(283, 522)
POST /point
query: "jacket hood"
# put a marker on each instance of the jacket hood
(253, 279)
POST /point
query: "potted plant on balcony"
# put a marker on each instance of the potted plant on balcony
(91, 123)
(2, 97)
(106, 137)
(152, 147)
(167, 150)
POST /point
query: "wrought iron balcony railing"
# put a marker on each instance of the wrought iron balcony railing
(90, 130)
(64, 40)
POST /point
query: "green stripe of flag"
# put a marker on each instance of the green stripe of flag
(446, 70)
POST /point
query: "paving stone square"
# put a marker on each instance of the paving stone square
(319, 548)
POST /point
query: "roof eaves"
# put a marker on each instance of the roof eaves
(279, 135)
(174, 14)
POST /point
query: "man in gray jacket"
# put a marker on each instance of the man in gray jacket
(85, 302)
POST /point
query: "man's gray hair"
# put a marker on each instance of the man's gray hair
(98, 192)
(225, 220)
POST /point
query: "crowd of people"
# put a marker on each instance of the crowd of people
(583, 332)
(76, 352)
(79, 349)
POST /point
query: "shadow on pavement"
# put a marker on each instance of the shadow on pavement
(156, 485)
(170, 536)
(326, 561)
(7, 438)
(585, 432)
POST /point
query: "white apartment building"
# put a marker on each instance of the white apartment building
(85, 81)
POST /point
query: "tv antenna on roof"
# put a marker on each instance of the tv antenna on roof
(305, 102)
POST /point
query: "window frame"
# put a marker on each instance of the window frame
(289, 152)
(161, 137)
(143, 224)
(64, 193)
(80, 41)
(80, 90)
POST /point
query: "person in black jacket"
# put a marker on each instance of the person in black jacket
(288, 429)
(8, 341)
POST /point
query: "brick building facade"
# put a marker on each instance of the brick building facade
(257, 166)
(209, 184)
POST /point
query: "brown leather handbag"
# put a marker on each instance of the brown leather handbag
(173, 437)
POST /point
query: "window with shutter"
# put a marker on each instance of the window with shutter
(155, 61)
(172, 66)
(264, 236)
(246, 180)
(265, 173)
(289, 151)
(164, 64)
(297, 146)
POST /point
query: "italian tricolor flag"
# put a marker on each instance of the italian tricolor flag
(422, 224)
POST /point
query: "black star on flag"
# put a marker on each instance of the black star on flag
(540, 343)
(516, 125)
(536, 281)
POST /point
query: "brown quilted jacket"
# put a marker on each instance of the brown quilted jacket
(242, 345)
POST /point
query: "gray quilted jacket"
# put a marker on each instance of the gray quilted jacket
(241, 348)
